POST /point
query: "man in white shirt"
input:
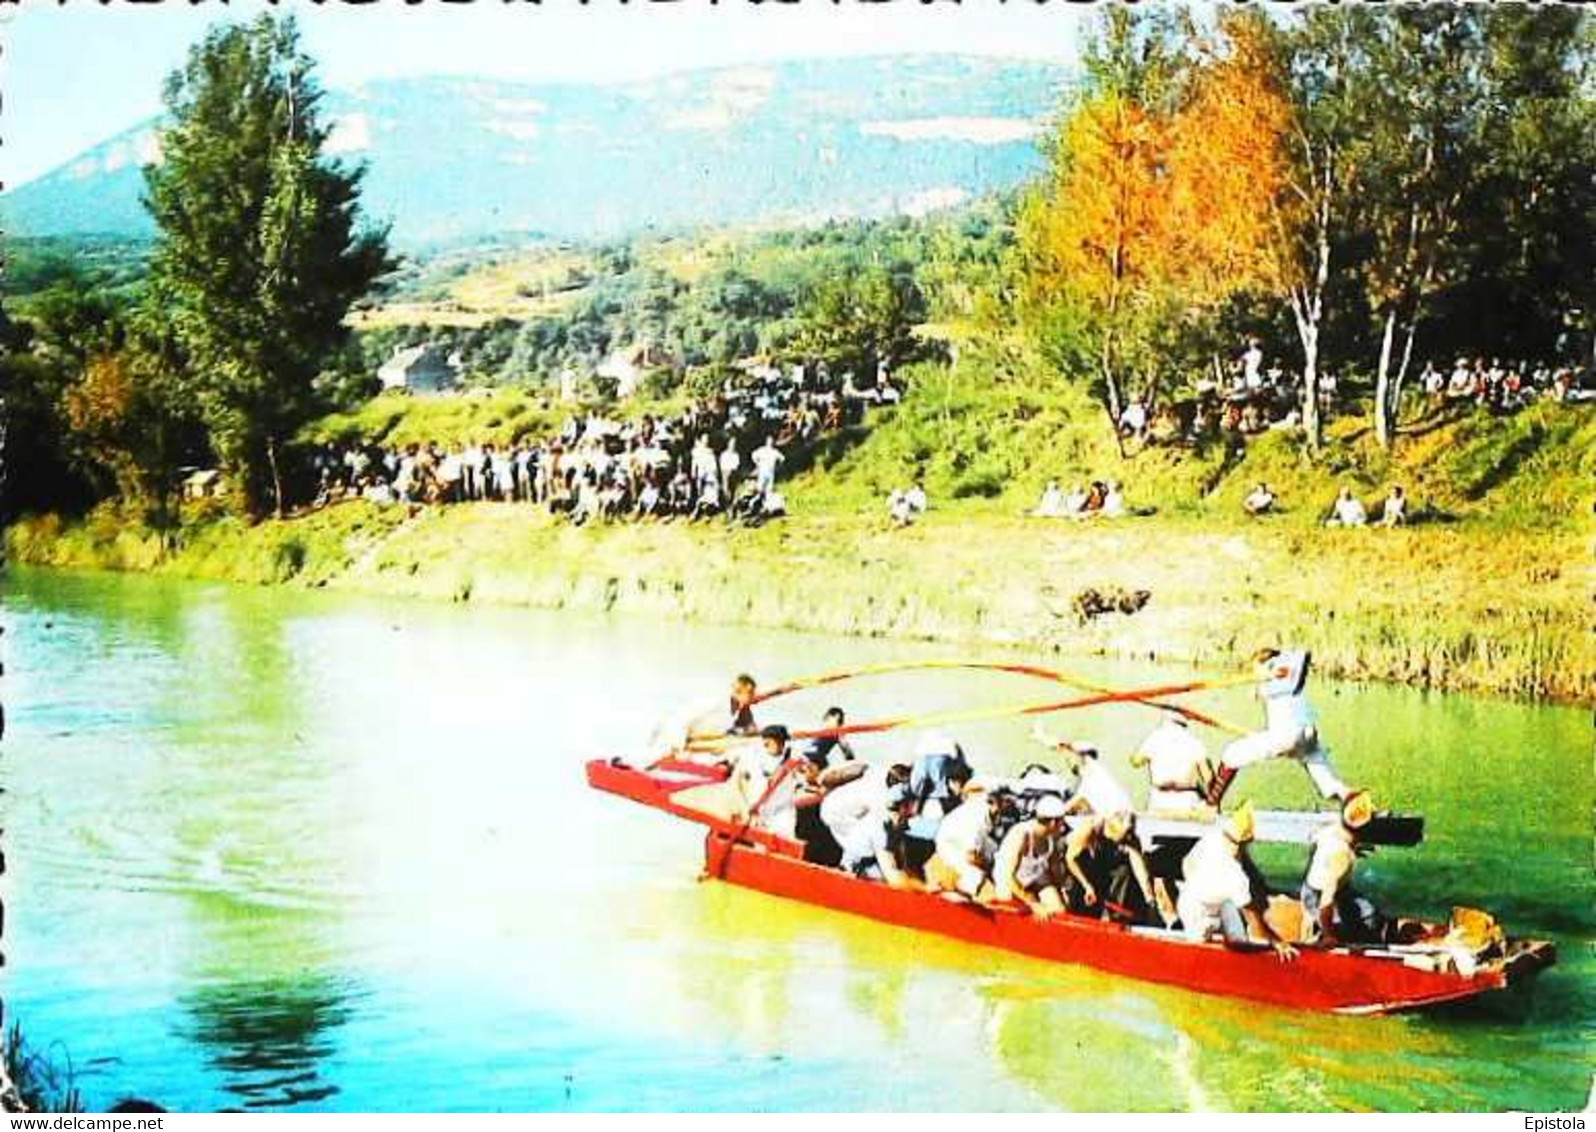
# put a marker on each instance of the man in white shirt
(730, 462)
(1395, 511)
(1348, 511)
(1260, 502)
(964, 846)
(1252, 364)
(1331, 910)
(766, 459)
(1097, 790)
(1052, 502)
(1291, 728)
(1177, 767)
(1218, 893)
(767, 779)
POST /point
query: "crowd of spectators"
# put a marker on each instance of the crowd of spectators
(1501, 386)
(720, 457)
(1251, 397)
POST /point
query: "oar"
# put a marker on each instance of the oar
(939, 719)
(1148, 697)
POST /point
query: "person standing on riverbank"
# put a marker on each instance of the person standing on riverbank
(766, 459)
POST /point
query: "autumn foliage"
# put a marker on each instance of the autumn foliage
(1154, 212)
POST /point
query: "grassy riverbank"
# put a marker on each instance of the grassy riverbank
(1492, 594)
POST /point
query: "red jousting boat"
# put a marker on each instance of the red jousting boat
(1349, 980)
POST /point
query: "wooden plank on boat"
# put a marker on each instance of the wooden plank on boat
(1291, 827)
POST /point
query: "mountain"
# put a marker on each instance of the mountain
(460, 158)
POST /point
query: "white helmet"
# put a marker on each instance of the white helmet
(1050, 806)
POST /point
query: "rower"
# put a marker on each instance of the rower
(964, 844)
(1097, 791)
(1107, 873)
(1291, 728)
(741, 708)
(852, 811)
(1177, 768)
(938, 774)
(755, 769)
(1029, 866)
(875, 848)
(1223, 890)
(830, 749)
(1330, 907)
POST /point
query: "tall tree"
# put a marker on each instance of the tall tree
(1152, 215)
(1096, 236)
(1421, 148)
(261, 251)
(1318, 60)
(1530, 284)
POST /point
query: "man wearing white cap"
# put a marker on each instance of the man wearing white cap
(1030, 863)
(1291, 728)
(1097, 791)
(1222, 891)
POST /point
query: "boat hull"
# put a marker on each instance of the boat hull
(1336, 980)
(660, 787)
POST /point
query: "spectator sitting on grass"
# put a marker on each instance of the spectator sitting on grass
(1052, 502)
(1114, 501)
(904, 507)
(1348, 511)
(1395, 513)
(1260, 502)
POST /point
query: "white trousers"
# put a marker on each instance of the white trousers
(1301, 744)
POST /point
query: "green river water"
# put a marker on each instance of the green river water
(269, 849)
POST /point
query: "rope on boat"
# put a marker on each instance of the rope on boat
(715, 742)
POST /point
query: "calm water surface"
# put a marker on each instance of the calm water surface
(270, 850)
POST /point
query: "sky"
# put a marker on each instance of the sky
(74, 75)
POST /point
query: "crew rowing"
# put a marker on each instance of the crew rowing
(1060, 896)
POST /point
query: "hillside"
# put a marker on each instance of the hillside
(460, 158)
(1501, 504)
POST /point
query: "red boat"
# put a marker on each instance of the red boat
(1348, 980)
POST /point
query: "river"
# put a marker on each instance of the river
(276, 850)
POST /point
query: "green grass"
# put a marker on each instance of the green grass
(1494, 598)
(995, 446)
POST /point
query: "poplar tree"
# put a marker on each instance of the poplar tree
(261, 248)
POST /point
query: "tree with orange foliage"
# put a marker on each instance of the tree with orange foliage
(1096, 236)
(1228, 167)
(1161, 204)
(129, 415)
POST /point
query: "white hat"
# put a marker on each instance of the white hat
(1050, 806)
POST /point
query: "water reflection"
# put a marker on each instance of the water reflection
(267, 1038)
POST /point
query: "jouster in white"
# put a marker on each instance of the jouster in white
(1291, 728)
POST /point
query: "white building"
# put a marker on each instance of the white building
(420, 369)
